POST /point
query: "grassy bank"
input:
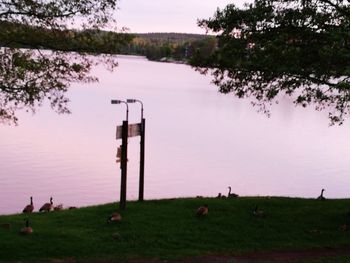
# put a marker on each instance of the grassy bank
(169, 229)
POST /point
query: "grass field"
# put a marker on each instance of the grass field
(169, 230)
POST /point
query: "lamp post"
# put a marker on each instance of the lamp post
(124, 157)
(124, 102)
(133, 101)
(142, 150)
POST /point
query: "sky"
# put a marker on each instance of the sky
(179, 16)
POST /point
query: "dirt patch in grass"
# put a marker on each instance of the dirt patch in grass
(272, 256)
(252, 257)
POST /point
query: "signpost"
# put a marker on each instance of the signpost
(142, 149)
(142, 160)
(124, 154)
(124, 166)
(123, 132)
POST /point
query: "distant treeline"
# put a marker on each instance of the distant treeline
(169, 46)
(91, 41)
(155, 46)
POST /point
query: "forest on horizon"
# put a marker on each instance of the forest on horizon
(155, 46)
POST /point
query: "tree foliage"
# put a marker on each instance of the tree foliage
(276, 47)
(27, 76)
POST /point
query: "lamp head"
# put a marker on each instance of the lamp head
(116, 101)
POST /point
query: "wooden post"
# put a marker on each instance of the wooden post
(142, 159)
(124, 161)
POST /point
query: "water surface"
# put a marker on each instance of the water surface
(198, 142)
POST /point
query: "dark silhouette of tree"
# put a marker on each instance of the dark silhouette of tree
(29, 76)
(270, 48)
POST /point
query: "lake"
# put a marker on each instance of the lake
(198, 142)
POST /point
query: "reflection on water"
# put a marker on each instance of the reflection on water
(198, 142)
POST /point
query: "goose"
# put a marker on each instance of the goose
(202, 210)
(221, 196)
(47, 207)
(27, 229)
(29, 208)
(321, 197)
(258, 212)
(231, 194)
(115, 217)
(58, 207)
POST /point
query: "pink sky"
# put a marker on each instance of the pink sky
(181, 16)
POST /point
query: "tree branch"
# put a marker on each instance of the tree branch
(337, 7)
(39, 15)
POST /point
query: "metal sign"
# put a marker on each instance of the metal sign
(133, 130)
(119, 132)
(119, 152)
